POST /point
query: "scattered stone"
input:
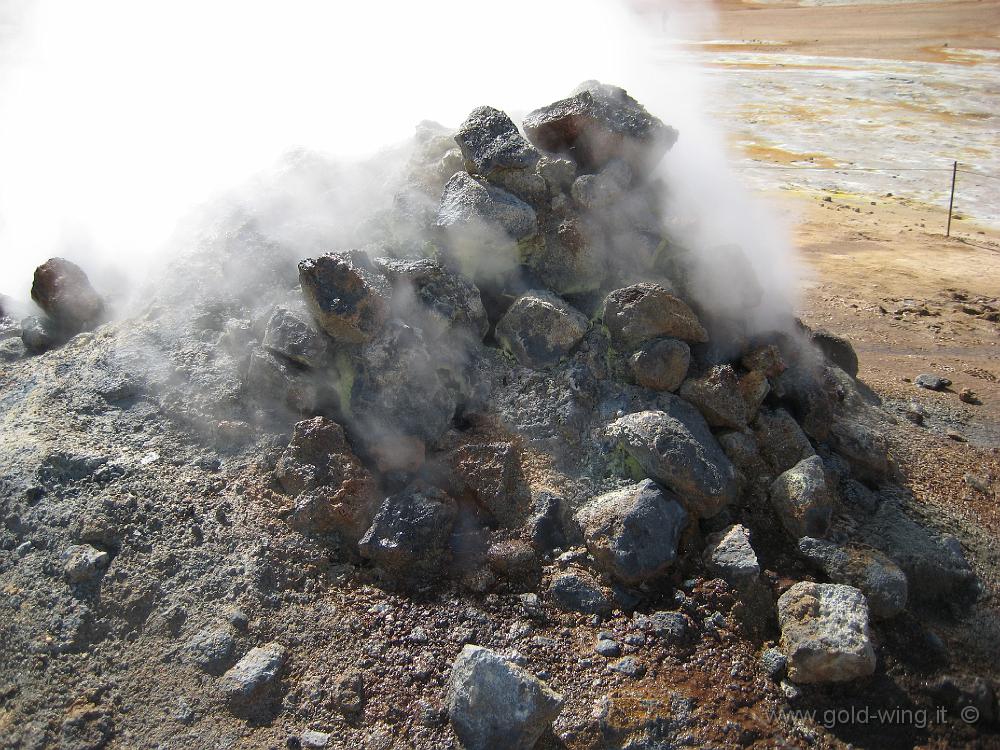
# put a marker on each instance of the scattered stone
(409, 534)
(915, 412)
(972, 699)
(333, 490)
(513, 558)
(600, 123)
(661, 364)
(781, 441)
(635, 314)
(63, 291)
(349, 694)
(629, 667)
(678, 450)
(774, 663)
(875, 575)
(803, 500)
(931, 382)
(211, 649)
(540, 328)
(346, 294)
(292, 337)
(253, 680)
(824, 633)
(968, 396)
(82, 562)
(578, 591)
(313, 739)
(490, 141)
(837, 350)
(493, 703)
(730, 556)
(23, 549)
(607, 648)
(673, 627)
(958, 437)
(717, 395)
(633, 532)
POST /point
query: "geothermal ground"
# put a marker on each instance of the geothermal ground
(170, 581)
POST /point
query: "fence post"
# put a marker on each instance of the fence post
(951, 201)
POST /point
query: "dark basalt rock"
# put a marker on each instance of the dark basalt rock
(346, 294)
(490, 141)
(600, 123)
(63, 291)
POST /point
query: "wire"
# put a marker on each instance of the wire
(853, 169)
(979, 174)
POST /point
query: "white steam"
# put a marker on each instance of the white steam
(117, 118)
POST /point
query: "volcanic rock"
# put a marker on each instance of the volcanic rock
(333, 490)
(540, 328)
(661, 364)
(558, 174)
(450, 301)
(270, 380)
(931, 382)
(678, 450)
(346, 294)
(600, 123)
(83, 562)
(490, 141)
(471, 203)
(38, 335)
(578, 591)
(544, 525)
(253, 680)
(490, 474)
(603, 189)
(638, 313)
(803, 500)
(409, 535)
(754, 388)
(878, 578)
(407, 385)
(633, 532)
(824, 633)
(741, 448)
(210, 649)
(570, 257)
(729, 555)
(865, 448)
(292, 337)
(63, 291)
(716, 394)
(493, 703)
(766, 358)
(836, 349)
(782, 442)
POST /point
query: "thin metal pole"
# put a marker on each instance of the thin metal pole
(951, 201)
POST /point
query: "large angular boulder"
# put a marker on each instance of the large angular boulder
(406, 385)
(678, 450)
(492, 703)
(409, 535)
(570, 257)
(333, 490)
(63, 291)
(640, 312)
(661, 364)
(540, 328)
(346, 294)
(782, 442)
(803, 500)
(490, 475)
(717, 395)
(865, 448)
(600, 123)
(633, 532)
(824, 633)
(447, 301)
(490, 141)
(470, 203)
(294, 338)
(875, 575)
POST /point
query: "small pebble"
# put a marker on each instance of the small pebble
(608, 649)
